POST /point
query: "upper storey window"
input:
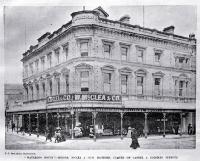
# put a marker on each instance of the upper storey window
(26, 70)
(108, 77)
(37, 65)
(140, 54)
(124, 83)
(31, 68)
(84, 74)
(84, 81)
(57, 56)
(107, 82)
(84, 48)
(158, 79)
(140, 81)
(49, 59)
(66, 50)
(124, 52)
(124, 48)
(43, 63)
(107, 49)
(182, 61)
(157, 55)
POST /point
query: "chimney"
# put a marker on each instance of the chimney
(169, 30)
(125, 19)
(192, 36)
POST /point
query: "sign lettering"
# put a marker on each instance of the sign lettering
(84, 97)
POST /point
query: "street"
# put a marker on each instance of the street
(16, 141)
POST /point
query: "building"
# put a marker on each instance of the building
(13, 98)
(111, 74)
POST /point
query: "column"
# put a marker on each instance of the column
(181, 126)
(58, 121)
(12, 122)
(29, 125)
(164, 117)
(94, 123)
(62, 84)
(145, 124)
(77, 118)
(72, 131)
(54, 86)
(17, 122)
(46, 117)
(121, 120)
(23, 126)
(37, 125)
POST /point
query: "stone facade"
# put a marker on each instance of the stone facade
(150, 69)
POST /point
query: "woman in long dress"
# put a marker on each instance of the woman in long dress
(134, 138)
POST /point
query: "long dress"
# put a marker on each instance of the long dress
(134, 138)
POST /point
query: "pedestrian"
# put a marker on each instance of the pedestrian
(13, 126)
(129, 132)
(134, 137)
(176, 129)
(48, 135)
(190, 130)
(58, 135)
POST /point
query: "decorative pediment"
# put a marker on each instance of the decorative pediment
(41, 78)
(48, 76)
(108, 68)
(141, 72)
(65, 71)
(83, 66)
(158, 74)
(25, 85)
(56, 74)
(35, 81)
(183, 75)
(126, 70)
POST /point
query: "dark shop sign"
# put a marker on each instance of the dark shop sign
(83, 97)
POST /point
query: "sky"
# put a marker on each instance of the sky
(35, 21)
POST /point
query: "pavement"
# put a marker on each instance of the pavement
(18, 141)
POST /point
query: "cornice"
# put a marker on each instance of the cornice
(113, 30)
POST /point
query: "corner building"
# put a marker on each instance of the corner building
(111, 74)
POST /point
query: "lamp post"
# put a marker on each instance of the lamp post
(72, 113)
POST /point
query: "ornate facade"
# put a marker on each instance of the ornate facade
(129, 75)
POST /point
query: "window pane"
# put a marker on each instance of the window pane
(107, 77)
(107, 51)
(124, 79)
(84, 84)
(157, 81)
(157, 57)
(139, 81)
(140, 55)
(84, 47)
(106, 87)
(181, 60)
(181, 84)
(84, 74)
(84, 54)
(107, 48)
(124, 88)
(139, 89)
(124, 52)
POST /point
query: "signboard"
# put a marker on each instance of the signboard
(83, 97)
